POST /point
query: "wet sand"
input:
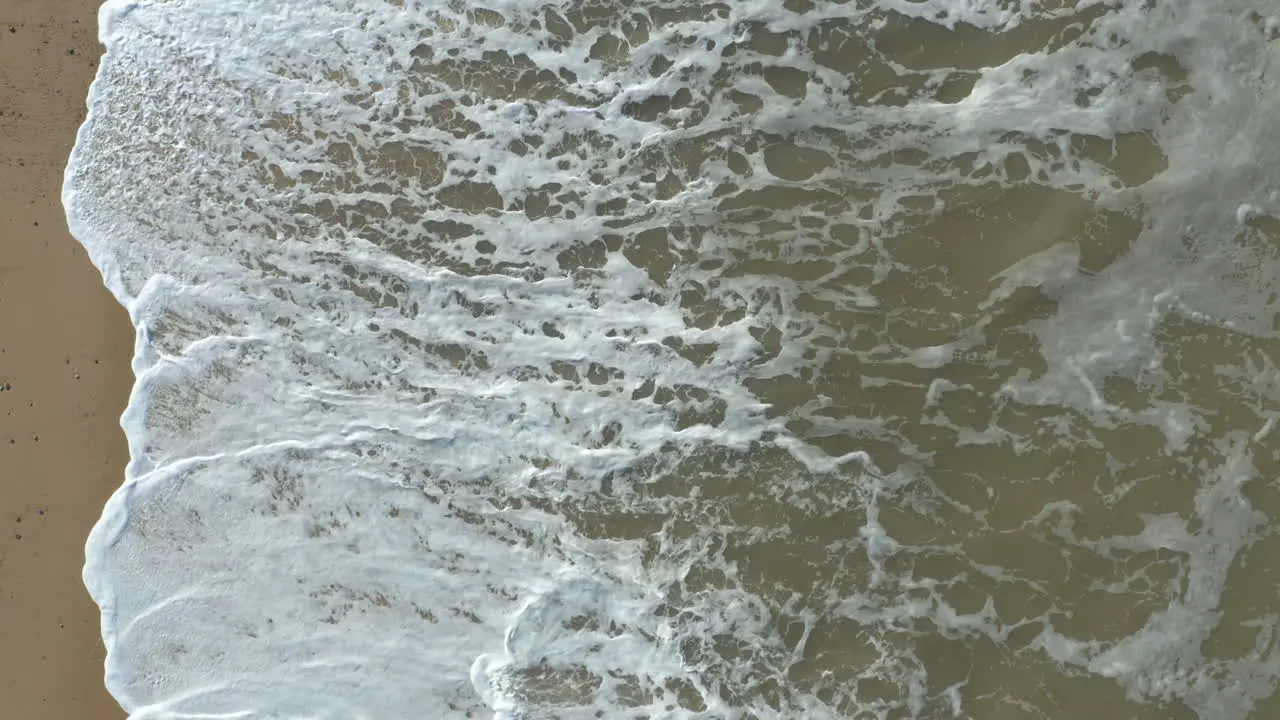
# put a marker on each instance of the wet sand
(64, 372)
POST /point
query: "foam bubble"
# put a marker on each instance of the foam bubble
(564, 360)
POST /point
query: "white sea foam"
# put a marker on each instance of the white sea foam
(483, 356)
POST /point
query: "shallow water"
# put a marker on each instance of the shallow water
(857, 359)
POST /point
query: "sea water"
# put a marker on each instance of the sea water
(672, 359)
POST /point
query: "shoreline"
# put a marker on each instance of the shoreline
(65, 352)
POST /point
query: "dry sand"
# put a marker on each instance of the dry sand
(64, 366)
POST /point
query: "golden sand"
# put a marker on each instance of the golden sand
(64, 374)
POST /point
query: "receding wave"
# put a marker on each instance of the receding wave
(583, 359)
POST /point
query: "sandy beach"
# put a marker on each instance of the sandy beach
(815, 360)
(64, 374)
